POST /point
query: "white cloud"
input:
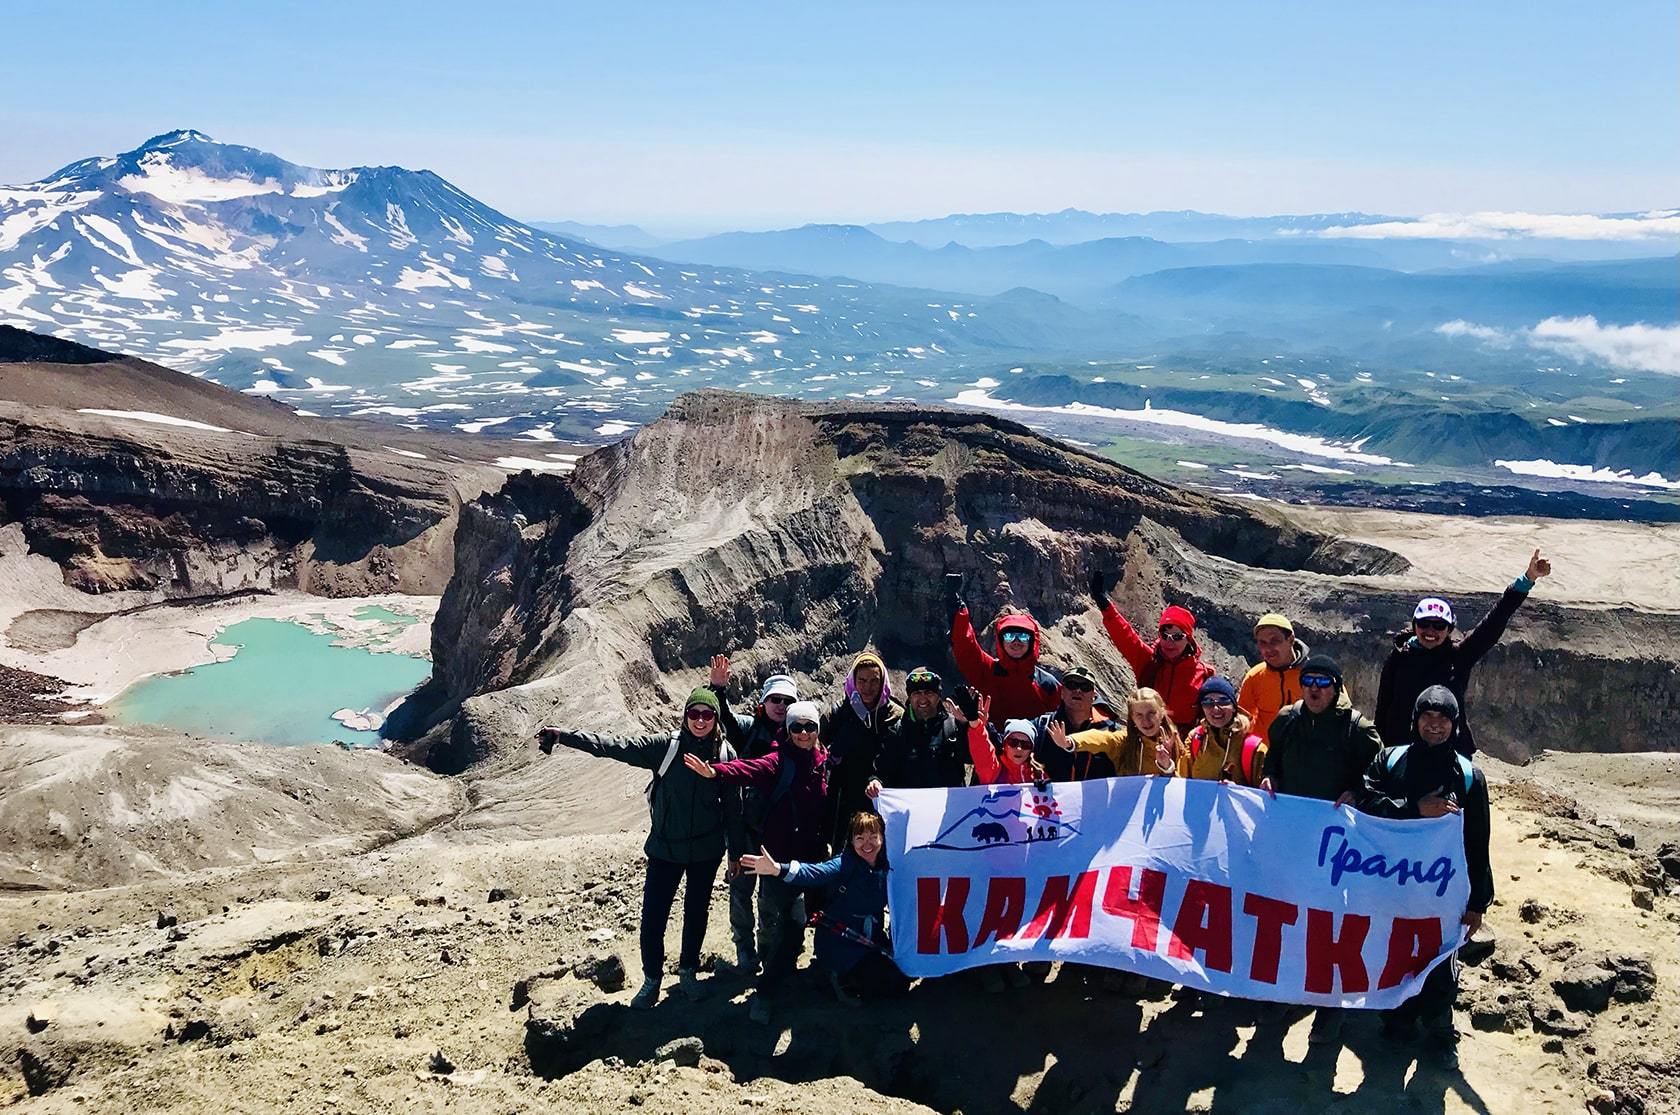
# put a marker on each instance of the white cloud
(1507, 226)
(1638, 347)
(1650, 348)
(1488, 333)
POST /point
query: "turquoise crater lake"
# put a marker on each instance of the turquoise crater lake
(282, 685)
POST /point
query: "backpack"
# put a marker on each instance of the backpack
(1245, 761)
(1397, 756)
(725, 753)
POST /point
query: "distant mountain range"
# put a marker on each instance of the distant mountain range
(385, 291)
(389, 293)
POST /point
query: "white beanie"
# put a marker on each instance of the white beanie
(804, 712)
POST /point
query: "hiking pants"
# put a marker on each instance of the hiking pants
(781, 927)
(659, 894)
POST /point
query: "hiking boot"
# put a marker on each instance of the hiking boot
(1326, 1028)
(1443, 1052)
(759, 1012)
(1399, 1029)
(646, 995)
(688, 981)
(841, 993)
(1017, 976)
(991, 981)
(746, 960)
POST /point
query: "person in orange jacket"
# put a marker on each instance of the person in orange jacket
(1172, 665)
(1274, 683)
(1018, 686)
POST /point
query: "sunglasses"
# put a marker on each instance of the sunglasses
(804, 727)
(1079, 686)
(1018, 743)
(778, 699)
(1431, 624)
(1216, 701)
(1314, 681)
(1174, 636)
(1017, 636)
(703, 715)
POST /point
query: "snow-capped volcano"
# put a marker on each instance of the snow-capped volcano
(389, 291)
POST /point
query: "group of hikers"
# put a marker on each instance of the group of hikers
(783, 791)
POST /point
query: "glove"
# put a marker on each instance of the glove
(953, 593)
(1099, 588)
(967, 698)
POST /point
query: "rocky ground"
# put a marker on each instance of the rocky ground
(444, 972)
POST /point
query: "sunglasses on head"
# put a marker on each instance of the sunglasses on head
(1217, 700)
(923, 687)
(700, 712)
(1078, 686)
(778, 699)
(1432, 624)
(1017, 636)
(802, 728)
(1315, 681)
(1173, 636)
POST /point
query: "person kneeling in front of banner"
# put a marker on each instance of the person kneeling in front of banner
(1319, 747)
(1428, 777)
(794, 780)
(1010, 763)
(850, 919)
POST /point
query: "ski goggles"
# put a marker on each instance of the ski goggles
(923, 680)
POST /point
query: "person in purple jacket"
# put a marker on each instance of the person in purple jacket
(793, 779)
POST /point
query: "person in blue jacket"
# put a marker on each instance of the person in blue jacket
(852, 942)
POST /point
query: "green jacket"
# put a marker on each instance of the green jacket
(694, 818)
(1322, 755)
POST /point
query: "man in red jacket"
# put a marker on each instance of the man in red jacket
(1172, 665)
(1018, 686)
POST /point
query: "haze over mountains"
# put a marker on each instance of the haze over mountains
(389, 293)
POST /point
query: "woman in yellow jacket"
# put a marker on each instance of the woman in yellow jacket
(1221, 746)
(1148, 744)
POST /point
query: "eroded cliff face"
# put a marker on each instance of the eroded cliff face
(121, 504)
(793, 536)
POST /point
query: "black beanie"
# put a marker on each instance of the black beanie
(1437, 698)
(1323, 664)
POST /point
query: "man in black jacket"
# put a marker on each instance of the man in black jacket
(1081, 710)
(924, 748)
(1428, 655)
(1428, 777)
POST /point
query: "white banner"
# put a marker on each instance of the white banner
(1212, 886)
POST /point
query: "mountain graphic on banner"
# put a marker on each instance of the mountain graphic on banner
(988, 826)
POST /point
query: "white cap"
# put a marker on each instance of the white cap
(1434, 608)
(779, 685)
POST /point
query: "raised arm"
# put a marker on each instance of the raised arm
(639, 751)
(1486, 634)
(972, 660)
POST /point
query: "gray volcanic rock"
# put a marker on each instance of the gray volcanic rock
(792, 536)
(191, 489)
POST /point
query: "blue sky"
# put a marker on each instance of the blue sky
(689, 116)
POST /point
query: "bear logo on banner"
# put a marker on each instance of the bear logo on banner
(1009, 815)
